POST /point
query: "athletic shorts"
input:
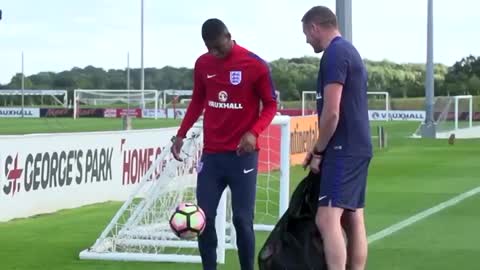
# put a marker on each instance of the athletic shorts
(343, 182)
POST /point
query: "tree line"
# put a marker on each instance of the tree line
(291, 77)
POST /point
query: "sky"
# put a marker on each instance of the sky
(57, 35)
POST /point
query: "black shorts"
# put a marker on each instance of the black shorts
(343, 182)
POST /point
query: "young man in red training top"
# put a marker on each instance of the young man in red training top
(230, 82)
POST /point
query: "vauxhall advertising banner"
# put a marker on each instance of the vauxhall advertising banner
(376, 115)
(45, 173)
(17, 112)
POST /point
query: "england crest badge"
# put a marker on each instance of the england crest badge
(235, 77)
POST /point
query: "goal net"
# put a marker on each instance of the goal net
(378, 104)
(34, 98)
(454, 114)
(125, 102)
(174, 102)
(309, 102)
(140, 231)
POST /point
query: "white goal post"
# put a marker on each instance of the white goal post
(306, 105)
(112, 98)
(54, 94)
(305, 100)
(139, 231)
(470, 109)
(175, 93)
(387, 102)
(447, 114)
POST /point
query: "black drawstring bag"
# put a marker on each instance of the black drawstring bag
(295, 242)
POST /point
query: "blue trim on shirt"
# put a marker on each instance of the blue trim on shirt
(272, 88)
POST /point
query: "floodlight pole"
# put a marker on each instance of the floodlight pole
(128, 81)
(344, 17)
(142, 80)
(128, 70)
(428, 128)
(23, 86)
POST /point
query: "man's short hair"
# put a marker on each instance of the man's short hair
(212, 29)
(320, 15)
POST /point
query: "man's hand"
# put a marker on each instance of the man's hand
(247, 144)
(176, 147)
(313, 161)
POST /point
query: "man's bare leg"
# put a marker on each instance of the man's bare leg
(357, 244)
(328, 220)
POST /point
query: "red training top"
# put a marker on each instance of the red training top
(230, 90)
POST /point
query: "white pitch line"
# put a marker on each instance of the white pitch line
(413, 219)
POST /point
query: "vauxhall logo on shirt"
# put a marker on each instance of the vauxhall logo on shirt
(223, 104)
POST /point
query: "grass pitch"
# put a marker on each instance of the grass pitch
(409, 176)
(13, 126)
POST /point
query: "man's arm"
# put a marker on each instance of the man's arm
(336, 63)
(196, 105)
(266, 90)
(330, 115)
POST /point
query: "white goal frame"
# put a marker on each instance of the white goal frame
(113, 91)
(225, 241)
(387, 101)
(304, 94)
(38, 92)
(386, 94)
(173, 92)
(470, 109)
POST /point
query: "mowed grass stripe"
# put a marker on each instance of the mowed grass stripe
(422, 215)
(399, 187)
(15, 126)
(444, 241)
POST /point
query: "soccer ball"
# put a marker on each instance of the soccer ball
(187, 221)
